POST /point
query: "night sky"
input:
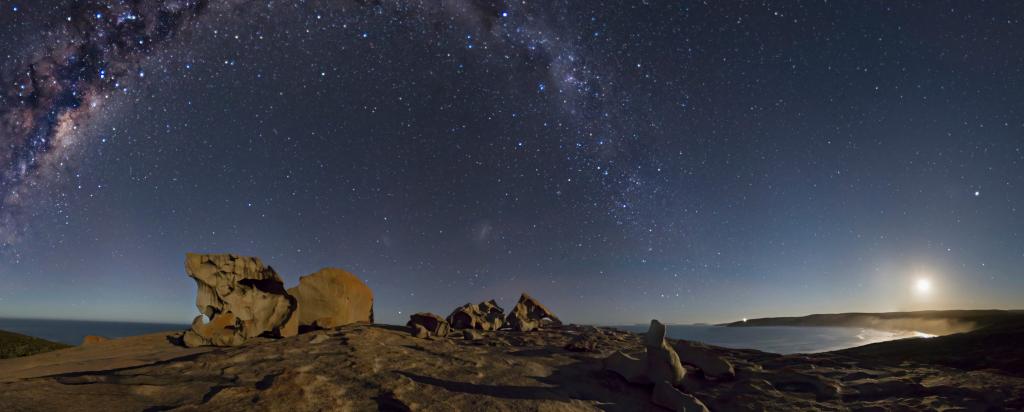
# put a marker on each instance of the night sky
(619, 160)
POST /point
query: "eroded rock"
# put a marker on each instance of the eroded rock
(662, 361)
(659, 362)
(710, 364)
(483, 316)
(529, 314)
(242, 299)
(433, 324)
(332, 297)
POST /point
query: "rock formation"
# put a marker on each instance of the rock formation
(332, 297)
(93, 339)
(710, 364)
(430, 323)
(659, 363)
(471, 334)
(483, 316)
(242, 299)
(528, 314)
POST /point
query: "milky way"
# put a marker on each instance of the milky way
(98, 49)
(99, 45)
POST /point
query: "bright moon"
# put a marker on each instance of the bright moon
(923, 285)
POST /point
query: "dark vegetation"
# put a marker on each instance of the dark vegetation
(13, 345)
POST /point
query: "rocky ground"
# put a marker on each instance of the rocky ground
(380, 367)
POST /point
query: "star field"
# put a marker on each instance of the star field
(620, 161)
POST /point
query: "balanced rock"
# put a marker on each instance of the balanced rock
(712, 365)
(662, 361)
(659, 363)
(528, 314)
(433, 324)
(242, 299)
(332, 297)
(483, 316)
(93, 339)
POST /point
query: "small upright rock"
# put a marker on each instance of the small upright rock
(659, 363)
(433, 324)
(332, 297)
(528, 314)
(242, 299)
(662, 361)
(483, 316)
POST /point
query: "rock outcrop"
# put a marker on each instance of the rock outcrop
(710, 364)
(332, 297)
(93, 339)
(528, 314)
(658, 365)
(242, 299)
(431, 324)
(483, 316)
(659, 362)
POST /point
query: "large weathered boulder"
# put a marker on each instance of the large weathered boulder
(332, 297)
(528, 314)
(659, 363)
(483, 316)
(242, 299)
(433, 324)
(704, 358)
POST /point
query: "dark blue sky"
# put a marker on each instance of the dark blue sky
(620, 161)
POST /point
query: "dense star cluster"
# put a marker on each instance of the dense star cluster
(682, 160)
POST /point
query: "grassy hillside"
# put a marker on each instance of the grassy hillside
(13, 345)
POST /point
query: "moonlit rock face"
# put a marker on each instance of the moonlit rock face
(333, 297)
(241, 297)
(528, 314)
(484, 316)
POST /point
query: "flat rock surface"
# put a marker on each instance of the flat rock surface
(379, 367)
(98, 356)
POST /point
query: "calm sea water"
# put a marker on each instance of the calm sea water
(780, 339)
(777, 339)
(72, 331)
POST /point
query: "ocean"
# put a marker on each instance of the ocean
(780, 339)
(777, 339)
(72, 332)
